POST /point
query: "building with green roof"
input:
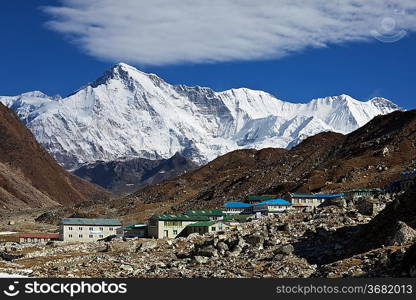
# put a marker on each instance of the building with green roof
(134, 230)
(206, 227)
(360, 193)
(213, 214)
(171, 226)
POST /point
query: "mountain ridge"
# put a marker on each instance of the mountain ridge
(129, 113)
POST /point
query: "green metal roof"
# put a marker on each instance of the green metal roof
(165, 217)
(208, 213)
(203, 224)
(134, 225)
(260, 197)
(94, 222)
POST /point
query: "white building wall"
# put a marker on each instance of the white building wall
(160, 230)
(85, 233)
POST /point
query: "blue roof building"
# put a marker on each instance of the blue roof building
(319, 196)
(271, 206)
(237, 205)
(274, 202)
(234, 208)
(311, 201)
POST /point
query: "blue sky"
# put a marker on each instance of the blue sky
(56, 59)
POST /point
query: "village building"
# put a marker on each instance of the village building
(172, 226)
(355, 194)
(368, 206)
(38, 237)
(236, 208)
(312, 201)
(271, 206)
(206, 227)
(298, 207)
(213, 214)
(87, 230)
(234, 220)
(135, 230)
(29, 237)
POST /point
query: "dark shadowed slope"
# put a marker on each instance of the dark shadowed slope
(126, 176)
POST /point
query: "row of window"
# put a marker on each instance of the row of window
(81, 236)
(90, 228)
(173, 223)
(308, 201)
(35, 240)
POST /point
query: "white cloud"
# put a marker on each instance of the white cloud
(161, 32)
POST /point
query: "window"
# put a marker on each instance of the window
(175, 232)
(173, 223)
(101, 236)
(69, 228)
(80, 235)
(70, 235)
(165, 233)
(79, 228)
(91, 228)
(90, 236)
(213, 228)
(101, 228)
(111, 228)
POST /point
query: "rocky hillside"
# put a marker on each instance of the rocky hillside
(126, 176)
(284, 245)
(400, 215)
(30, 177)
(371, 156)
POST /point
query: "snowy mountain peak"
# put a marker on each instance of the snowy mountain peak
(35, 94)
(129, 113)
(384, 103)
(128, 76)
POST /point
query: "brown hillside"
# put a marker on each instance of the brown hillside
(29, 177)
(372, 156)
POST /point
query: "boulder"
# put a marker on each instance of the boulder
(255, 240)
(222, 246)
(10, 257)
(208, 251)
(402, 235)
(148, 245)
(127, 268)
(285, 249)
(200, 259)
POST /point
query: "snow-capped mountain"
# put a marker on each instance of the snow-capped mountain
(128, 113)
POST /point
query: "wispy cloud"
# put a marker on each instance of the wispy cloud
(161, 32)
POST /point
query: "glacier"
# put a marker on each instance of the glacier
(127, 113)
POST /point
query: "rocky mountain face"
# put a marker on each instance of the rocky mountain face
(128, 113)
(30, 177)
(126, 176)
(372, 156)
